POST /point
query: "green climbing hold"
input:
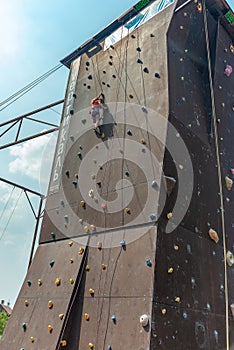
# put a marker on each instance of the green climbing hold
(53, 235)
(24, 326)
(29, 283)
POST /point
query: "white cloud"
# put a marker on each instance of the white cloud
(34, 158)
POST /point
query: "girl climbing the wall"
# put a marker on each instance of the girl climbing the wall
(98, 105)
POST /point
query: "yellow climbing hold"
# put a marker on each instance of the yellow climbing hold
(26, 303)
(91, 291)
(169, 216)
(87, 268)
(81, 251)
(181, 27)
(39, 282)
(91, 345)
(176, 247)
(103, 266)
(86, 229)
(127, 210)
(199, 7)
(81, 221)
(58, 281)
(71, 280)
(92, 227)
(32, 339)
(86, 316)
(91, 194)
(230, 258)
(213, 235)
(70, 243)
(71, 261)
(63, 343)
(50, 328)
(82, 203)
(182, 78)
(229, 183)
(61, 316)
(177, 299)
(170, 270)
(142, 141)
(50, 304)
(164, 311)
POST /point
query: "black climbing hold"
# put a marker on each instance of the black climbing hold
(126, 173)
(67, 173)
(74, 95)
(90, 77)
(111, 57)
(108, 85)
(87, 68)
(87, 63)
(89, 87)
(146, 70)
(24, 326)
(80, 147)
(114, 76)
(129, 132)
(104, 72)
(133, 36)
(139, 61)
(79, 155)
(103, 83)
(29, 283)
(74, 183)
(152, 35)
(84, 84)
(110, 63)
(52, 235)
(138, 49)
(157, 75)
(72, 111)
(130, 96)
(52, 262)
(99, 184)
(112, 47)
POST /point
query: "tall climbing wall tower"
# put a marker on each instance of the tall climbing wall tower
(136, 244)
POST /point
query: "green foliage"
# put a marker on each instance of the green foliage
(3, 321)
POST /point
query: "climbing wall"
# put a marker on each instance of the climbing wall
(194, 310)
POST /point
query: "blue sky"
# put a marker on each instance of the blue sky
(35, 35)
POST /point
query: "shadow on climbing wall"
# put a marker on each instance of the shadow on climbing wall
(107, 128)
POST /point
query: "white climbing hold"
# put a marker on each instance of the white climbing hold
(230, 258)
(213, 235)
(144, 320)
(229, 183)
(232, 309)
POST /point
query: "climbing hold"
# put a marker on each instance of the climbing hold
(138, 49)
(182, 78)
(213, 235)
(180, 165)
(109, 347)
(32, 339)
(231, 47)
(72, 111)
(82, 203)
(99, 184)
(113, 317)
(154, 184)
(71, 261)
(170, 270)
(152, 35)
(232, 309)
(91, 291)
(130, 96)
(230, 258)
(144, 109)
(181, 27)
(129, 132)
(29, 283)
(123, 243)
(26, 303)
(53, 235)
(157, 75)
(87, 268)
(91, 345)
(50, 328)
(91, 195)
(232, 171)
(199, 7)
(87, 63)
(24, 326)
(103, 266)
(58, 281)
(103, 206)
(99, 245)
(86, 229)
(70, 243)
(146, 70)
(63, 343)
(67, 173)
(71, 281)
(144, 320)
(83, 121)
(92, 227)
(127, 210)
(133, 36)
(52, 262)
(164, 311)
(50, 304)
(86, 316)
(139, 61)
(76, 176)
(148, 262)
(90, 77)
(228, 70)
(152, 216)
(229, 183)
(176, 247)
(169, 216)
(126, 173)
(81, 251)
(88, 87)
(66, 217)
(74, 182)
(142, 141)
(79, 155)
(39, 282)
(61, 316)
(177, 299)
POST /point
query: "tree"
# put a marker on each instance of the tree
(3, 321)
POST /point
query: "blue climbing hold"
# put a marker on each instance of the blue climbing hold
(113, 317)
(152, 216)
(123, 243)
(144, 109)
(148, 262)
(154, 184)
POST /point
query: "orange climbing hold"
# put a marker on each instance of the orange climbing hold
(50, 304)
(58, 281)
(61, 316)
(32, 339)
(50, 328)
(39, 282)
(91, 345)
(91, 291)
(199, 7)
(86, 316)
(26, 303)
(213, 235)
(103, 266)
(87, 268)
(82, 203)
(81, 251)
(70, 244)
(63, 343)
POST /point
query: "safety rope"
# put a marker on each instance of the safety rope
(7, 202)
(219, 171)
